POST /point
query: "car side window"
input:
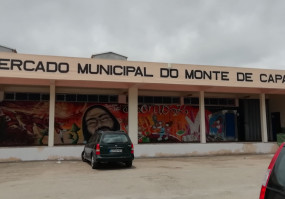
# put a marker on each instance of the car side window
(98, 138)
(277, 178)
(280, 168)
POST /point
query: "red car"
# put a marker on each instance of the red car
(273, 186)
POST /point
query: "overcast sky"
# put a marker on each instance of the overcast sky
(241, 33)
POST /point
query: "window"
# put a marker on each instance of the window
(92, 98)
(103, 98)
(87, 98)
(187, 100)
(82, 98)
(148, 100)
(158, 100)
(277, 178)
(140, 99)
(191, 100)
(21, 96)
(166, 100)
(113, 98)
(44, 97)
(34, 96)
(9, 96)
(214, 101)
(176, 100)
(70, 97)
(26, 97)
(210, 101)
(60, 97)
(114, 138)
(195, 100)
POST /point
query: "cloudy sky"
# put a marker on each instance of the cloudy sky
(242, 33)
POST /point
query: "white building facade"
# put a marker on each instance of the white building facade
(167, 109)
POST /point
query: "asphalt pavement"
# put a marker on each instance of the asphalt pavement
(215, 177)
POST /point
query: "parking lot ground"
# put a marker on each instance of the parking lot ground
(215, 177)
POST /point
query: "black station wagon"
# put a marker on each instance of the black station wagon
(108, 146)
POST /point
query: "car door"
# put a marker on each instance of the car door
(90, 146)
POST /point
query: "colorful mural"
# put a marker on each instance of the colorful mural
(221, 126)
(174, 123)
(168, 123)
(26, 123)
(75, 122)
(23, 123)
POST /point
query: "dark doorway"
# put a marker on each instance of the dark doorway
(249, 128)
(276, 124)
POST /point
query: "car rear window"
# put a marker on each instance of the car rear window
(277, 177)
(114, 138)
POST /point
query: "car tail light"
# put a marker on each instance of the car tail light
(98, 149)
(132, 149)
(268, 173)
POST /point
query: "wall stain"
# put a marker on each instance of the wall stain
(249, 148)
(246, 148)
(11, 159)
(274, 148)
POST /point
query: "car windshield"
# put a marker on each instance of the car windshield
(277, 178)
(114, 138)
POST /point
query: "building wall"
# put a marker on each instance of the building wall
(119, 73)
(141, 151)
(121, 76)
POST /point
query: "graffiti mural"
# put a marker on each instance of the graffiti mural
(26, 123)
(23, 123)
(221, 126)
(174, 123)
(168, 123)
(76, 122)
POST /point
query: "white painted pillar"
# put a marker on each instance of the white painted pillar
(133, 114)
(181, 100)
(202, 117)
(51, 114)
(263, 118)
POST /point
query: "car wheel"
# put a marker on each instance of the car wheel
(129, 163)
(94, 164)
(83, 156)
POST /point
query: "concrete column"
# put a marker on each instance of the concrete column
(202, 117)
(51, 115)
(181, 100)
(133, 114)
(263, 118)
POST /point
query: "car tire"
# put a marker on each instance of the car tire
(94, 164)
(129, 164)
(83, 156)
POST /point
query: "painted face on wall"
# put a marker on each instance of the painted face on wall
(98, 119)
